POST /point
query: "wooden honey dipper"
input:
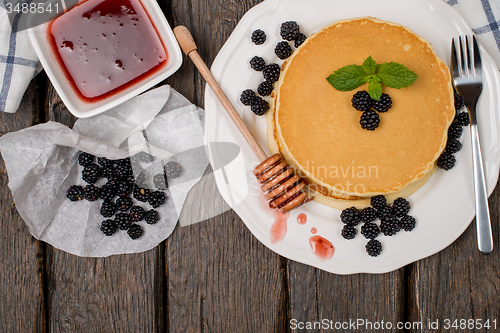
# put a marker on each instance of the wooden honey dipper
(278, 181)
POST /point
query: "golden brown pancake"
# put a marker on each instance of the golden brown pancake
(317, 130)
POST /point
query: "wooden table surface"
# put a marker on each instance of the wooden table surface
(215, 276)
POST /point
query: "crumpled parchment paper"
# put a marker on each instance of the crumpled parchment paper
(42, 163)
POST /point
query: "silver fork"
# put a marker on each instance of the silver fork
(466, 70)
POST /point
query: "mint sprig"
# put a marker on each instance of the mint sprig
(391, 74)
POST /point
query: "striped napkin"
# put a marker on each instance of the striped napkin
(483, 16)
(19, 63)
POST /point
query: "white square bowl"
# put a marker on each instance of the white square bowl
(75, 104)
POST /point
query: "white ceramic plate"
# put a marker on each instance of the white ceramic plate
(443, 207)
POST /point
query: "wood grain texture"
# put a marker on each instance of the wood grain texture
(221, 279)
(22, 305)
(459, 282)
(114, 294)
(318, 296)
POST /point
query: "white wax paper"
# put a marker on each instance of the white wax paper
(42, 164)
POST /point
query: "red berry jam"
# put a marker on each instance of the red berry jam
(106, 46)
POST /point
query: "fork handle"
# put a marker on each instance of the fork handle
(483, 224)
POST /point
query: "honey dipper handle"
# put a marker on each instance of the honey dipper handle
(188, 46)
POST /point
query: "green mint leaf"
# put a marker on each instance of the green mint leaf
(375, 90)
(374, 86)
(369, 65)
(395, 75)
(347, 78)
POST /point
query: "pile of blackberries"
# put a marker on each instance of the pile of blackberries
(123, 189)
(393, 218)
(371, 108)
(447, 160)
(289, 31)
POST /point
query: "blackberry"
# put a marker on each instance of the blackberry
(156, 199)
(454, 131)
(407, 223)
(271, 72)
(384, 212)
(348, 231)
(123, 172)
(151, 216)
(141, 156)
(368, 214)
(400, 207)
(104, 162)
(75, 193)
(91, 192)
(173, 170)
(369, 120)
(141, 194)
(373, 247)
(247, 97)
(123, 221)
(135, 231)
(108, 209)
(463, 119)
(446, 161)
(140, 178)
(370, 230)
(91, 173)
(108, 172)
(257, 63)
(259, 106)
(453, 146)
(123, 203)
(350, 216)
(85, 159)
(108, 227)
(107, 192)
(258, 37)
(124, 163)
(283, 50)
(383, 104)
(265, 88)
(361, 101)
(137, 213)
(289, 30)
(160, 181)
(459, 100)
(378, 201)
(299, 40)
(123, 188)
(390, 226)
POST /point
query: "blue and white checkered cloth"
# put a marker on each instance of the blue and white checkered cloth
(18, 61)
(483, 16)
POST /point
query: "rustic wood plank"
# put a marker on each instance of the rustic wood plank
(329, 299)
(459, 282)
(22, 306)
(116, 294)
(220, 278)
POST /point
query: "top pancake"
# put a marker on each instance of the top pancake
(316, 129)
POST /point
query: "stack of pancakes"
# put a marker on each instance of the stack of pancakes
(317, 130)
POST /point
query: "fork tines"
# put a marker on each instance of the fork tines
(467, 61)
